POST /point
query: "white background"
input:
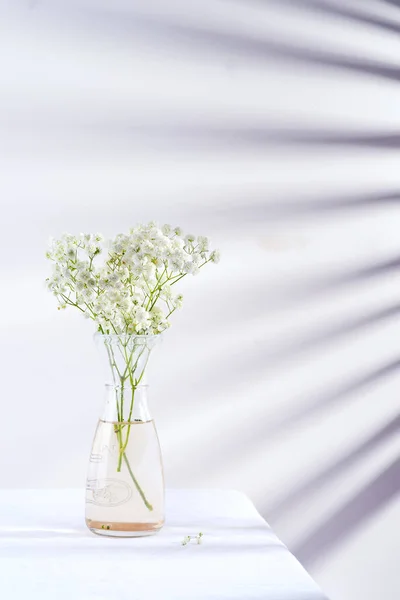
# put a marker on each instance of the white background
(271, 127)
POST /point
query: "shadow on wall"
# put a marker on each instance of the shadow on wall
(209, 40)
(391, 2)
(322, 338)
(250, 208)
(167, 31)
(262, 210)
(333, 9)
(304, 490)
(314, 288)
(256, 357)
(259, 135)
(371, 499)
(266, 429)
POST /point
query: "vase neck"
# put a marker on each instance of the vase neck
(126, 404)
(126, 358)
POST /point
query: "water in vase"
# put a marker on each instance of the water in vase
(125, 486)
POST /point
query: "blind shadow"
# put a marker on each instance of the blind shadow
(251, 48)
(332, 9)
(260, 209)
(178, 32)
(305, 489)
(324, 337)
(395, 3)
(265, 429)
(256, 356)
(258, 136)
(326, 400)
(364, 505)
(307, 291)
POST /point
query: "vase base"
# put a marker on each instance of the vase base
(123, 529)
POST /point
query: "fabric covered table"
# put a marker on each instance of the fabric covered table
(47, 553)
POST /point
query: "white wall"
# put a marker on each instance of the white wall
(271, 127)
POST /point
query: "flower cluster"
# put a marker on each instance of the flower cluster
(131, 291)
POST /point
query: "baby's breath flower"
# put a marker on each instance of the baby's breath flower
(202, 243)
(189, 239)
(186, 540)
(131, 290)
(178, 301)
(166, 229)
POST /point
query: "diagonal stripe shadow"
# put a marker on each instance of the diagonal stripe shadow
(322, 337)
(305, 489)
(314, 288)
(395, 3)
(201, 40)
(332, 9)
(258, 135)
(265, 429)
(261, 135)
(258, 209)
(321, 402)
(211, 40)
(363, 506)
(269, 355)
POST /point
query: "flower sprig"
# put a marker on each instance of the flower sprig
(188, 538)
(131, 290)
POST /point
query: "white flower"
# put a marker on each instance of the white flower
(141, 319)
(141, 315)
(93, 249)
(87, 295)
(202, 243)
(178, 300)
(83, 275)
(166, 292)
(130, 290)
(157, 262)
(125, 304)
(137, 298)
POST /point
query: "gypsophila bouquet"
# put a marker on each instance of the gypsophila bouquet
(126, 287)
(131, 290)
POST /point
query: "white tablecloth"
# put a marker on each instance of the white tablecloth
(47, 553)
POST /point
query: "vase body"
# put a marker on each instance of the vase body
(125, 483)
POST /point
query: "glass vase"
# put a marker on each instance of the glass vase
(125, 483)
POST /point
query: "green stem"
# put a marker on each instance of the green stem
(130, 411)
(121, 411)
(178, 278)
(124, 445)
(135, 481)
(127, 374)
(68, 301)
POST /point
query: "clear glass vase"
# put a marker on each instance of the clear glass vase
(125, 484)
